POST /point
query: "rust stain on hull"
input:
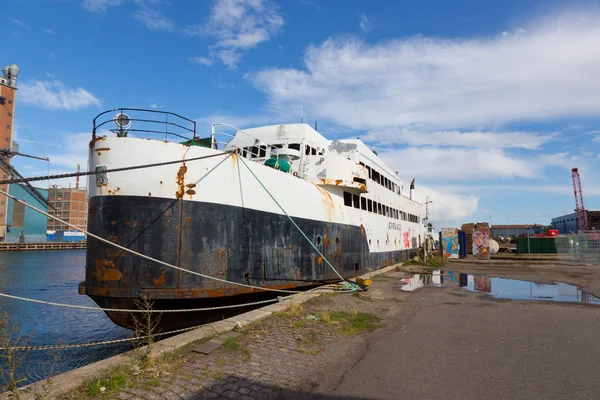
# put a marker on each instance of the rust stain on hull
(180, 181)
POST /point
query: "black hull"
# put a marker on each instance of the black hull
(233, 243)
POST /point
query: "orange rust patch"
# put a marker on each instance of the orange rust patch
(189, 219)
(103, 149)
(190, 185)
(161, 182)
(320, 260)
(338, 182)
(111, 274)
(180, 181)
(93, 141)
(326, 241)
(149, 194)
(112, 239)
(161, 279)
(190, 192)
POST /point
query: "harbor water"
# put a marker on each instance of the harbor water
(54, 276)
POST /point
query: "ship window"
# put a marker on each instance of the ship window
(263, 151)
(278, 146)
(376, 176)
(370, 205)
(359, 180)
(369, 171)
(295, 146)
(307, 150)
(387, 211)
(379, 208)
(363, 203)
(348, 199)
(253, 151)
(356, 201)
(313, 151)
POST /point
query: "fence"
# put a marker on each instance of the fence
(583, 247)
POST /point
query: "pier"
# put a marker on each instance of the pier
(42, 246)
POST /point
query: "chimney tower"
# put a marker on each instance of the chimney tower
(8, 94)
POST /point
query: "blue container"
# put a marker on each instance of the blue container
(69, 236)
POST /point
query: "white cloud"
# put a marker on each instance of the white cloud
(100, 6)
(365, 24)
(153, 20)
(447, 83)
(457, 164)
(238, 25)
(524, 140)
(153, 105)
(53, 95)
(50, 31)
(447, 207)
(202, 60)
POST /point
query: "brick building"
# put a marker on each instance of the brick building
(71, 206)
(8, 91)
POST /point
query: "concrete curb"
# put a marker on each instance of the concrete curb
(65, 382)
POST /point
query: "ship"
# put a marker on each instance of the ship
(249, 206)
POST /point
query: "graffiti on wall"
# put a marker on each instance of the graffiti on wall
(481, 242)
(406, 239)
(450, 242)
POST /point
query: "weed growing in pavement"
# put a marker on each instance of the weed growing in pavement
(110, 382)
(293, 310)
(299, 324)
(234, 345)
(325, 317)
(362, 297)
(350, 322)
(145, 324)
(231, 343)
(11, 359)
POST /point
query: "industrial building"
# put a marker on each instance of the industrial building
(8, 92)
(70, 205)
(568, 223)
(22, 223)
(512, 231)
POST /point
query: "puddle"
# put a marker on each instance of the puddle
(501, 288)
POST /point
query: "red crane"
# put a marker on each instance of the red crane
(579, 206)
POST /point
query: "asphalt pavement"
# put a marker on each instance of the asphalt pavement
(461, 345)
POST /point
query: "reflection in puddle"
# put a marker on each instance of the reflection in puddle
(501, 288)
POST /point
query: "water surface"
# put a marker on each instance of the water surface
(54, 276)
(501, 288)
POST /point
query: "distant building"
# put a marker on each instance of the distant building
(568, 223)
(8, 92)
(71, 206)
(507, 231)
(23, 223)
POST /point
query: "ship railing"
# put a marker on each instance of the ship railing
(247, 145)
(139, 122)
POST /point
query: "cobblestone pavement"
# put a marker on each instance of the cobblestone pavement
(287, 355)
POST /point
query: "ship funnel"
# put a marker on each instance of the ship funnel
(412, 189)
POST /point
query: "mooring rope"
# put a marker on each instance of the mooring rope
(106, 342)
(86, 173)
(51, 303)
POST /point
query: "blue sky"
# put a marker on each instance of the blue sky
(488, 104)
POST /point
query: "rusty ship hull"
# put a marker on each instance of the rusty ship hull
(213, 217)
